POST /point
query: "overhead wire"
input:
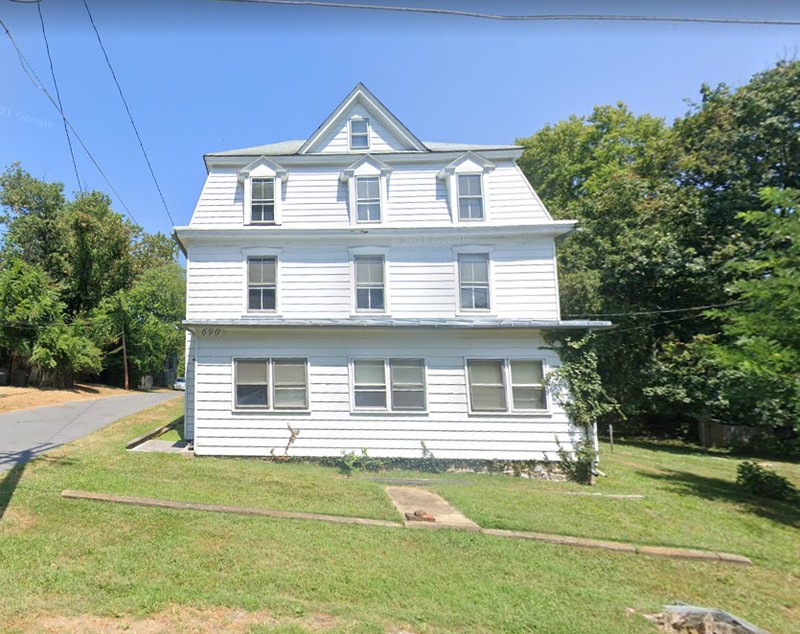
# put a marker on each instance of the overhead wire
(58, 96)
(128, 110)
(656, 312)
(34, 78)
(539, 17)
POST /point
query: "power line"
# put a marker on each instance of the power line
(541, 17)
(58, 96)
(28, 69)
(128, 110)
(656, 312)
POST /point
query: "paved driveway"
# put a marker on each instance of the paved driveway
(25, 434)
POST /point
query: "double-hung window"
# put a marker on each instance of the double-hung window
(473, 281)
(359, 134)
(271, 384)
(262, 201)
(261, 283)
(470, 197)
(403, 392)
(368, 199)
(370, 288)
(502, 385)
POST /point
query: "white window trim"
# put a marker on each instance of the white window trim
(388, 410)
(382, 251)
(457, 199)
(270, 385)
(381, 199)
(362, 168)
(350, 134)
(449, 174)
(475, 250)
(263, 168)
(509, 411)
(261, 252)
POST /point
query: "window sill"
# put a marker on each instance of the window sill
(386, 412)
(262, 224)
(532, 413)
(272, 412)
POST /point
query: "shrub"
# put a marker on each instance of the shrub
(351, 462)
(578, 465)
(758, 480)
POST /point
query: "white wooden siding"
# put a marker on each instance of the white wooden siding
(314, 196)
(337, 141)
(329, 427)
(422, 280)
(189, 396)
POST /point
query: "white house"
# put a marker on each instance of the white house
(362, 289)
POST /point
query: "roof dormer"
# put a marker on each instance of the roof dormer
(466, 180)
(263, 184)
(361, 124)
(367, 184)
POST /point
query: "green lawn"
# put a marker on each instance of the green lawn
(63, 559)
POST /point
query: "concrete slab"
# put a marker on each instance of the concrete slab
(409, 500)
(164, 446)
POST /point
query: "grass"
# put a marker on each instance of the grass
(65, 559)
(16, 398)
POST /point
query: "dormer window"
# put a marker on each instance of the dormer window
(467, 180)
(263, 183)
(367, 184)
(470, 197)
(359, 134)
(262, 204)
(368, 199)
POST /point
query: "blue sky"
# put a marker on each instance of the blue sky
(203, 75)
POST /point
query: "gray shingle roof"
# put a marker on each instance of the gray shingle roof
(285, 148)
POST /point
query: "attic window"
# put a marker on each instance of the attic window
(263, 200)
(359, 134)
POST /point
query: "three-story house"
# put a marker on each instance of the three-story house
(361, 289)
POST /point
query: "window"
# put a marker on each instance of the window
(359, 134)
(368, 199)
(404, 392)
(262, 204)
(288, 378)
(370, 293)
(500, 385)
(261, 287)
(470, 197)
(473, 281)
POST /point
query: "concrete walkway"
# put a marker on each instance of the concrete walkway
(164, 446)
(415, 504)
(25, 434)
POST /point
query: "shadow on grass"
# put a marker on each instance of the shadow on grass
(709, 488)
(18, 460)
(673, 447)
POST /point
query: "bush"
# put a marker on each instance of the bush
(758, 480)
(578, 465)
(352, 462)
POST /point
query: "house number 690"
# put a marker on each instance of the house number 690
(211, 332)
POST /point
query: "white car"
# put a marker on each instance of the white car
(180, 384)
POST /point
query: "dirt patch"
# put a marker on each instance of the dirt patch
(177, 619)
(14, 521)
(17, 398)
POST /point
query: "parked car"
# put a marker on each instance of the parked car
(180, 384)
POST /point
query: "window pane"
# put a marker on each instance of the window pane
(369, 212)
(251, 396)
(527, 372)
(359, 141)
(263, 189)
(289, 371)
(480, 297)
(469, 185)
(367, 187)
(489, 371)
(369, 269)
(362, 298)
(290, 398)
(407, 371)
(254, 299)
(412, 399)
(261, 270)
(488, 398)
(359, 126)
(375, 299)
(474, 268)
(263, 212)
(470, 208)
(267, 299)
(370, 398)
(251, 372)
(369, 371)
(529, 398)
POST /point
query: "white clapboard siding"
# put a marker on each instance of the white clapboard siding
(330, 427)
(189, 397)
(315, 196)
(315, 280)
(337, 140)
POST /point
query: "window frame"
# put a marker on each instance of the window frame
(270, 365)
(458, 197)
(388, 386)
(248, 259)
(508, 387)
(351, 134)
(356, 254)
(460, 309)
(261, 169)
(263, 201)
(378, 180)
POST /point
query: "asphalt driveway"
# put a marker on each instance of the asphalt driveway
(25, 434)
